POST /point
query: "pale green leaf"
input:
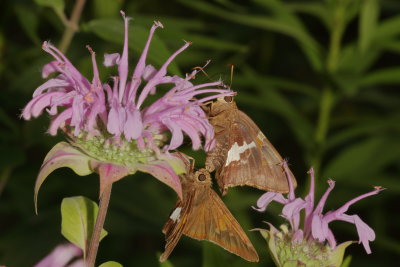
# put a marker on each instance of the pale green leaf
(347, 261)
(62, 155)
(337, 255)
(111, 264)
(78, 217)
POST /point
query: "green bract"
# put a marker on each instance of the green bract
(287, 253)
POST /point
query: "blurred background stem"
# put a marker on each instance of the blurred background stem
(327, 99)
(71, 25)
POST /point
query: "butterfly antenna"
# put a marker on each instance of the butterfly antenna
(198, 68)
(232, 69)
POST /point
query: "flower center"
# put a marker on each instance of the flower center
(116, 150)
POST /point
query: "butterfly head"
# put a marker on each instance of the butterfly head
(202, 176)
(222, 104)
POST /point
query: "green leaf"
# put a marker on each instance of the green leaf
(29, 22)
(388, 29)
(111, 264)
(113, 30)
(355, 160)
(57, 5)
(106, 8)
(62, 155)
(78, 217)
(346, 262)
(285, 25)
(165, 263)
(337, 255)
(382, 76)
(316, 9)
(368, 20)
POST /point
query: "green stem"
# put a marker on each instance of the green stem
(101, 216)
(72, 25)
(327, 99)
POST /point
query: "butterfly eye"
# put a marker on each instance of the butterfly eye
(228, 99)
(201, 177)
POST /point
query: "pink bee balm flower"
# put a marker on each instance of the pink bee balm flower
(109, 128)
(307, 245)
(65, 255)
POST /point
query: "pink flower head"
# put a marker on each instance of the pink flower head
(62, 256)
(101, 109)
(110, 129)
(315, 222)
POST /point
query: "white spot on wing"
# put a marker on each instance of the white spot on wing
(236, 150)
(176, 214)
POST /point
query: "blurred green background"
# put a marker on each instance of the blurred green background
(320, 78)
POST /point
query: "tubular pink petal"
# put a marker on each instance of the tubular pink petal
(141, 65)
(149, 72)
(138, 72)
(133, 126)
(51, 84)
(113, 122)
(123, 62)
(111, 59)
(346, 206)
(162, 71)
(320, 207)
(177, 135)
(43, 101)
(59, 120)
(267, 198)
(36, 105)
(50, 68)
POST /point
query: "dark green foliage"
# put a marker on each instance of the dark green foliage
(320, 78)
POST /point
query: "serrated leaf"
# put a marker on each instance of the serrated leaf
(111, 264)
(78, 217)
(62, 155)
(368, 20)
(112, 30)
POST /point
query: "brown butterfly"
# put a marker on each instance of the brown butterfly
(202, 215)
(242, 154)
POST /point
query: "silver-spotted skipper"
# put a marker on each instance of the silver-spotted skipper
(242, 154)
(202, 215)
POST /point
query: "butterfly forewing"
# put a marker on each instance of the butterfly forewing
(213, 221)
(175, 225)
(243, 155)
(202, 215)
